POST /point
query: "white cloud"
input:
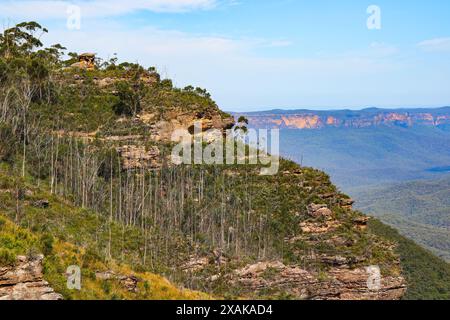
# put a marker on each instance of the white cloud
(382, 49)
(230, 68)
(57, 9)
(435, 45)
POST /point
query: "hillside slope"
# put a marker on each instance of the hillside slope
(67, 235)
(86, 172)
(419, 209)
(428, 276)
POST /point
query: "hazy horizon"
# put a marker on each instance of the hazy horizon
(252, 110)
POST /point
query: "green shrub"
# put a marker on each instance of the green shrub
(106, 287)
(91, 256)
(33, 253)
(47, 244)
(2, 222)
(7, 258)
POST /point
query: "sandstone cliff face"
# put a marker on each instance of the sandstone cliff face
(24, 281)
(309, 120)
(160, 129)
(340, 283)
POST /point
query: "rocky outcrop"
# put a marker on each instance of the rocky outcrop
(41, 204)
(339, 283)
(319, 227)
(361, 222)
(163, 127)
(24, 281)
(148, 79)
(319, 211)
(128, 282)
(197, 263)
(347, 203)
(85, 61)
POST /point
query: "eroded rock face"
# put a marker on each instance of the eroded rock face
(42, 204)
(347, 203)
(361, 222)
(163, 129)
(137, 157)
(198, 263)
(340, 283)
(319, 211)
(85, 61)
(24, 281)
(195, 264)
(319, 227)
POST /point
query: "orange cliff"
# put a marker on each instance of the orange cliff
(310, 120)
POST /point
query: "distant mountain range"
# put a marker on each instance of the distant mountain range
(308, 119)
(394, 163)
(366, 147)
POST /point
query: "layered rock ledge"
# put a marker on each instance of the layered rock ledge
(24, 281)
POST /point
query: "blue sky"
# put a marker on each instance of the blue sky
(266, 54)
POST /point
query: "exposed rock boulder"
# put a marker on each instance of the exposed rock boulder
(295, 173)
(339, 241)
(320, 211)
(162, 128)
(148, 79)
(347, 203)
(319, 228)
(347, 284)
(195, 264)
(24, 281)
(85, 61)
(334, 260)
(361, 222)
(105, 82)
(41, 204)
(328, 196)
